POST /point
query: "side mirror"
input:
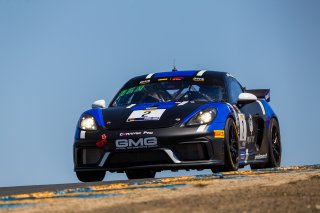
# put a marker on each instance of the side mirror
(99, 104)
(245, 98)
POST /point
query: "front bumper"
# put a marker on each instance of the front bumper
(177, 148)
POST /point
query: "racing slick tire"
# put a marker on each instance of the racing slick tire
(139, 174)
(91, 176)
(231, 149)
(274, 147)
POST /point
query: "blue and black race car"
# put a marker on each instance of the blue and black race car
(177, 120)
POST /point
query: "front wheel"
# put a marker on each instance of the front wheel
(231, 149)
(139, 174)
(91, 176)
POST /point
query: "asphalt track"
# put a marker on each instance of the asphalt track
(15, 190)
(136, 193)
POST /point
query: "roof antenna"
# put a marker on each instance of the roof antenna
(174, 69)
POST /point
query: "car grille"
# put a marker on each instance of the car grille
(191, 151)
(89, 156)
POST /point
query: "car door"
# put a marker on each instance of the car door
(247, 120)
(252, 112)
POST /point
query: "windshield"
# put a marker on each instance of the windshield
(167, 91)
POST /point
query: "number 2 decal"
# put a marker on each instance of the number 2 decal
(243, 127)
(145, 113)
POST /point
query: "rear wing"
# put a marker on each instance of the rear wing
(260, 93)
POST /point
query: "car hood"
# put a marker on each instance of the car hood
(164, 114)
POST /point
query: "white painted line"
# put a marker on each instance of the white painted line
(82, 134)
(131, 106)
(106, 155)
(262, 107)
(149, 76)
(200, 73)
(201, 128)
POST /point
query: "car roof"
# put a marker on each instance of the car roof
(209, 76)
(188, 73)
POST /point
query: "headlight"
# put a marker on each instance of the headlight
(203, 117)
(87, 122)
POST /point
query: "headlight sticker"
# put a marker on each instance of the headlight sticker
(201, 128)
(146, 115)
(82, 134)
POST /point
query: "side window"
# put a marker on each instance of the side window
(234, 90)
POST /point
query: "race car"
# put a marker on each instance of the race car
(194, 119)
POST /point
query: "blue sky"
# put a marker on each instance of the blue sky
(57, 57)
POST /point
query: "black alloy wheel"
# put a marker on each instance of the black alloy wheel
(275, 152)
(231, 149)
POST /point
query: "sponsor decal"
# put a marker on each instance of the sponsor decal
(102, 143)
(152, 108)
(144, 82)
(162, 79)
(139, 88)
(218, 133)
(123, 92)
(250, 124)
(136, 144)
(131, 90)
(198, 79)
(177, 78)
(250, 139)
(259, 156)
(146, 115)
(121, 134)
